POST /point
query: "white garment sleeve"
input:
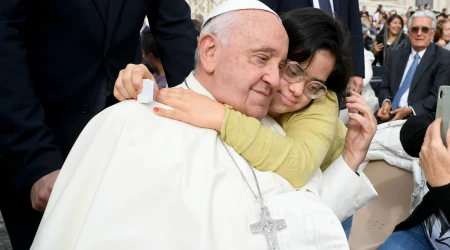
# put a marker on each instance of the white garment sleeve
(344, 191)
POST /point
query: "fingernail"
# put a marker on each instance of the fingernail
(137, 90)
(155, 109)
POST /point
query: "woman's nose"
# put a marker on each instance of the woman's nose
(297, 88)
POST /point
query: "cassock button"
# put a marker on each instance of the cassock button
(84, 109)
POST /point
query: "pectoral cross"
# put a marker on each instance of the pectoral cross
(268, 227)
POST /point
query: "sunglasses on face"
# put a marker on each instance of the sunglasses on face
(416, 29)
(293, 73)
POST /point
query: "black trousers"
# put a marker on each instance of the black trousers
(413, 132)
(21, 220)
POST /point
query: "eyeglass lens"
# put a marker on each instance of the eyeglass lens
(294, 73)
(416, 29)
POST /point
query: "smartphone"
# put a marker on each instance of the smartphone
(443, 110)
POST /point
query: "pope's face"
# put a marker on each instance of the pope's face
(246, 69)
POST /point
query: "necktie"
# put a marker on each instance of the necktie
(325, 5)
(103, 91)
(406, 83)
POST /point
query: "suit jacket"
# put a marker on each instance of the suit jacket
(53, 55)
(347, 11)
(432, 72)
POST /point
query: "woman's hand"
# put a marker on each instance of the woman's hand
(361, 129)
(130, 80)
(191, 107)
(435, 157)
(377, 48)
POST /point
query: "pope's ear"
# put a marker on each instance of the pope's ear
(207, 46)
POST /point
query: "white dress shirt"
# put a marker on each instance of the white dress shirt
(317, 5)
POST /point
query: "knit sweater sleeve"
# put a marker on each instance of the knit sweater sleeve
(295, 157)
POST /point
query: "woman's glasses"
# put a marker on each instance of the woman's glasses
(293, 73)
(424, 29)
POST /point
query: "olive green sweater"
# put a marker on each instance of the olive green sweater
(314, 138)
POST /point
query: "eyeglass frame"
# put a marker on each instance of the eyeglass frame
(302, 78)
(421, 28)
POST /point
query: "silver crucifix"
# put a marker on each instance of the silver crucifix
(268, 227)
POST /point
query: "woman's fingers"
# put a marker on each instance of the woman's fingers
(168, 113)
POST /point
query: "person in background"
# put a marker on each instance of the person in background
(151, 54)
(445, 12)
(420, 7)
(440, 17)
(413, 74)
(389, 38)
(368, 41)
(364, 11)
(377, 13)
(427, 228)
(199, 17)
(405, 22)
(392, 12)
(427, 6)
(379, 24)
(408, 12)
(198, 26)
(442, 35)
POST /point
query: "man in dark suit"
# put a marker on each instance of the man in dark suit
(413, 75)
(58, 64)
(347, 11)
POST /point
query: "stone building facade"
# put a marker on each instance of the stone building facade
(201, 8)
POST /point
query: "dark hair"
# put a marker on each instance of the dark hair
(439, 29)
(198, 26)
(311, 29)
(379, 8)
(148, 44)
(392, 17)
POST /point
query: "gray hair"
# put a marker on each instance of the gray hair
(427, 13)
(219, 26)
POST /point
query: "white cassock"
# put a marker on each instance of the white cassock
(134, 180)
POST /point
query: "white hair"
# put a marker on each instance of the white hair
(427, 13)
(219, 26)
